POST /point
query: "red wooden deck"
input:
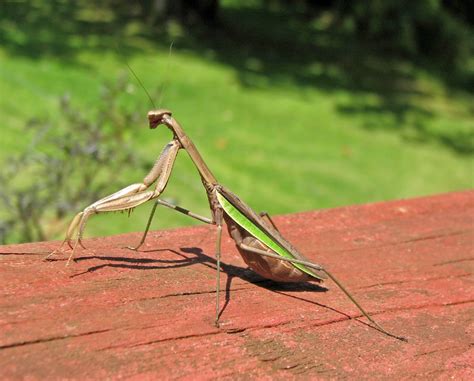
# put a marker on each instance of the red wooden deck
(148, 315)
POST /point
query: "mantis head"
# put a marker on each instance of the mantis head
(156, 117)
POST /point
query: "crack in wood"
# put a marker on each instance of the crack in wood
(49, 339)
(438, 350)
(454, 261)
(415, 280)
(176, 338)
(402, 242)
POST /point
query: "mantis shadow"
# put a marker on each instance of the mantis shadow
(137, 263)
(199, 257)
(249, 276)
(231, 272)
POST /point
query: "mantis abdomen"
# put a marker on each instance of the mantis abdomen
(253, 234)
(267, 267)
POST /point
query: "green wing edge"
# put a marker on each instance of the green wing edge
(258, 233)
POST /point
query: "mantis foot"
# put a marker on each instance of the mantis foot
(79, 241)
(57, 251)
(134, 248)
(61, 251)
(48, 257)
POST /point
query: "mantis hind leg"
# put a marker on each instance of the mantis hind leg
(268, 219)
(329, 274)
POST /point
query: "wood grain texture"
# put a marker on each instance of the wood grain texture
(149, 314)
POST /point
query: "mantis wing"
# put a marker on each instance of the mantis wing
(252, 223)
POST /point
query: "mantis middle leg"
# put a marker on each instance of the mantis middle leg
(218, 221)
(218, 262)
(171, 206)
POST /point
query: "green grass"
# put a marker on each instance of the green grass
(285, 135)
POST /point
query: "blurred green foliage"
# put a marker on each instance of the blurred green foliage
(296, 105)
(63, 168)
(438, 31)
(432, 29)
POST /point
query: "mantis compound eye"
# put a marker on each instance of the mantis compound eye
(155, 117)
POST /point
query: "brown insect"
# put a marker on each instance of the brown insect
(257, 238)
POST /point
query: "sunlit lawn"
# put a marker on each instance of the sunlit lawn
(282, 145)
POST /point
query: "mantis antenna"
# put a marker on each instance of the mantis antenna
(167, 70)
(141, 83)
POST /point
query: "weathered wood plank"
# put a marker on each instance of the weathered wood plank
(117, 313)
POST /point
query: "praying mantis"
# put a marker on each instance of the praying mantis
(257, 238)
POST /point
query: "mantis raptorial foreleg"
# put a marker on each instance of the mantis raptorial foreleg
(128, 197)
